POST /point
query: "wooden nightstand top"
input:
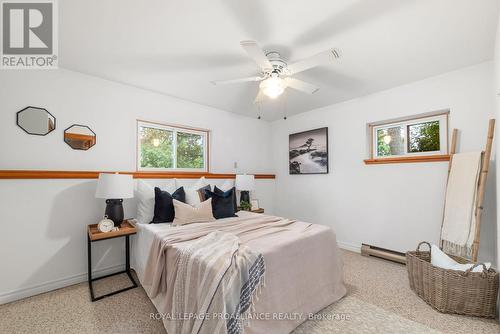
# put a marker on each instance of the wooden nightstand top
(126, 228)
(255, 211)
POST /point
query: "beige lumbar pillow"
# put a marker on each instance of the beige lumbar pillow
(187, 214)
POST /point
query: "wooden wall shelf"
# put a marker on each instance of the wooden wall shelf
(48, 174)
(400, 160)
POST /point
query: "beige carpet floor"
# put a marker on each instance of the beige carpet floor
(379, 300)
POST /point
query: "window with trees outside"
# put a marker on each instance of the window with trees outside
(171, 148)
(416, 136)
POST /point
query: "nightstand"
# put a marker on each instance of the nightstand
(255, 211)
(94, 235)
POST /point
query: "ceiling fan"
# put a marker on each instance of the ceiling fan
(276, 74)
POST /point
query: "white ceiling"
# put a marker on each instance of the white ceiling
(178, 47)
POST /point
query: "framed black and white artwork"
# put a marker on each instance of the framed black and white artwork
(308, 152)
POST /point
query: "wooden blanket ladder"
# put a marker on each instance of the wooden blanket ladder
(485, 163)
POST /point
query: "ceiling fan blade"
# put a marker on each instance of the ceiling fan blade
(301, 85)
(256, 53)
(323, 58)
(260, 97)
(355, 14)
(233, 81)
(244, 14)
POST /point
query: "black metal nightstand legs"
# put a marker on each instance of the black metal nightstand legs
(89, 267)
(127, 270)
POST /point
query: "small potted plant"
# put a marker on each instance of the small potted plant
(246, 206)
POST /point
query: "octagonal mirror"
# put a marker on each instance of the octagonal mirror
(79, 137)
(36, 121)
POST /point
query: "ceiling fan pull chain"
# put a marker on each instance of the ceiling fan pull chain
(285, 99)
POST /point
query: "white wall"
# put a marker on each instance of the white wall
(111, 110)
(43, 240)
(392, 206)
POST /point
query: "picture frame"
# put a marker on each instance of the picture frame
(308, 152)
(255, 204)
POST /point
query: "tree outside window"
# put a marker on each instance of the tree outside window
(168, 147)
(419, 136)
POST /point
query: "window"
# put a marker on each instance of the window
(422, 135)
(171, 148)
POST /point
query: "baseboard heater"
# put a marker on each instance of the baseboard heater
(386, 254)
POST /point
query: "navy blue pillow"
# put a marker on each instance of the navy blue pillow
(221, 192)
(164, 205)
(223, 202)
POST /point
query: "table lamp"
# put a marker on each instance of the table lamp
(114, 188)
(245, 183)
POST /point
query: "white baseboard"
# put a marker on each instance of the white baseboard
(350, 246)
(14, 295)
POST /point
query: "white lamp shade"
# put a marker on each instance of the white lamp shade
(114, 186)
(245, 182)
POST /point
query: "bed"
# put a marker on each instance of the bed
(303, 272)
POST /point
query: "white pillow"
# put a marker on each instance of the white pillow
(192, 196)
(227, 185)
(441, 260)
(145, 195)
(187, 214)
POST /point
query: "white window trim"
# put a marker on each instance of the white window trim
(442, 117)
(174, 128)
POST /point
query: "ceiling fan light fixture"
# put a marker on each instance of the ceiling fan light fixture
(273, 87)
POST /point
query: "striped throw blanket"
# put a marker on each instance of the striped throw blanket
(216, 281)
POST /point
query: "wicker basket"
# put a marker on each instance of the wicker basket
(451, 291)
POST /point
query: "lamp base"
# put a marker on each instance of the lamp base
(245, 196)
(114, 211)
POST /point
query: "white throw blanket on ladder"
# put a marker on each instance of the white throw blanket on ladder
(459, 221)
